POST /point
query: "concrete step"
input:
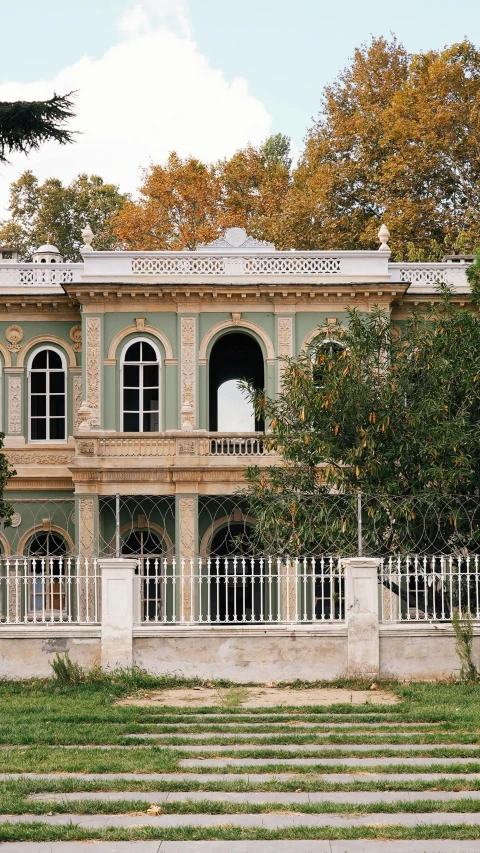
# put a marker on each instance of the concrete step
(359, 763)
(241, 847)
(314, 747)
(352, 797)
(271, 821)
(344, 778)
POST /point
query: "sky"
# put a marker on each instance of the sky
(203, 77)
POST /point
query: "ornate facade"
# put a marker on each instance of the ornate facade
(111, 371)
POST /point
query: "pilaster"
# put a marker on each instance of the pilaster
(93, 370)
(186, 536)
(188, 372)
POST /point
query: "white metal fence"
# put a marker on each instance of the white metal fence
(238, 590)
(241, 590)
(420, 588)
(49, 590)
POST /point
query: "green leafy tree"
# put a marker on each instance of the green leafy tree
(26, 125)
(394, 416)
(58, 213)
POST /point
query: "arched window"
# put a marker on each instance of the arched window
(323, 353)
(46, 552)
(47, 380)
(141, 387)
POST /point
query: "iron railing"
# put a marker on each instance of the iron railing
(49, 590)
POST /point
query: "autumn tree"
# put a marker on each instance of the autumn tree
(186, 202)
(25, 125)
(397, 139)
(394, 417)
(58, 213)
(178, 207)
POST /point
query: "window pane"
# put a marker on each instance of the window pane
(150, 422)
(40, 360)
(150, 399)
(38, 383)
(133, 544)
(133, 352)
(150, 375)
(131, 376)
(131, 400)
(54, 359)
(151, 543)
(39, 429)
(148, 353)
(57, 405)
(130, 423)
(38, 405)
(57, 428)
(57, 382)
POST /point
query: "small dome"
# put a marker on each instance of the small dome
(47, 248)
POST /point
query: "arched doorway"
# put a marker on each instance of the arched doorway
(234, 356)
(46, 553)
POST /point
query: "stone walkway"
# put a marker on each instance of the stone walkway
(281, 808)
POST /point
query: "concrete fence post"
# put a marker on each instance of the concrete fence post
(117, 612)
(361, 609)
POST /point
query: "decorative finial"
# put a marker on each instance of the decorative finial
(383, 236)
(187, 416)
(84, 414)
(87, 237)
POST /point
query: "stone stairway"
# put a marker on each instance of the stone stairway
(283, 772)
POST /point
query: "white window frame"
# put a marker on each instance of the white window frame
(127, 346)
(48, 440)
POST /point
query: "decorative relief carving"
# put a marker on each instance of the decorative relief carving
(285, 342)
(14, 404)
(236, 317)
(87, 448)
(188, 371)
(15, 520)
(186, 448)
(93, 368)
(237, 238)
(76, 336)
(86, 518)
(16, 457)
(14, 335)
(187, 527)
(77, 399)
(140, 323)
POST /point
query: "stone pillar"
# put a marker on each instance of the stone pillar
(117, 612)
(86, 547)
(186, 540)
(361, 609)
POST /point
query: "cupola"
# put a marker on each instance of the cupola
(47, 254)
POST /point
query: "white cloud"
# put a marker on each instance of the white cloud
(152, 93)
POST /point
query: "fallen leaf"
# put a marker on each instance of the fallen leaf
(155, 810)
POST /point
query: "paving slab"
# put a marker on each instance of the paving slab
(287, 729)
(360, 763)
(351, 797)
(213, 725)
(272, 821)
(243, 847)
(251, 778)
(261, 697)
(313, 747)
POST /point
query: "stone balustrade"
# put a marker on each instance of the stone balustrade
(167, 445)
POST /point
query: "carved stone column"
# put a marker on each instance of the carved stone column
(188, 380)
(93, 367)
(86, 546)
(186, 524)
(285, 343)
(14, 423)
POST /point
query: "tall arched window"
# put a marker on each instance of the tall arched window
(141, 387)
(47, 380)
(46, 552)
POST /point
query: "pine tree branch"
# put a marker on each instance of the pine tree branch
(26, 125)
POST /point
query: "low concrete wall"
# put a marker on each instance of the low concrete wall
(407, 651)
(248, 654)
(421, 652)
(28, 652)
